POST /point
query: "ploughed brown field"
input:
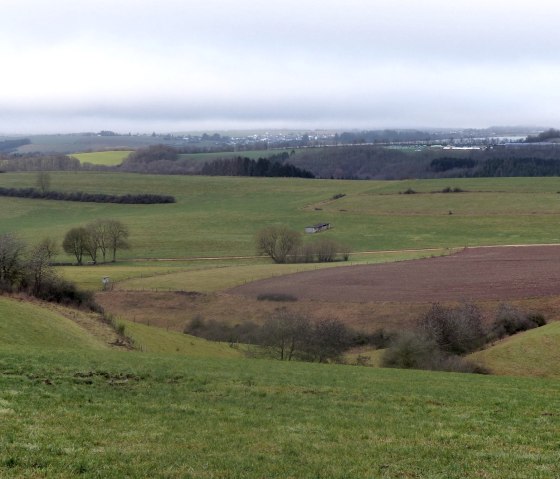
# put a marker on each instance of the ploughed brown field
(474, 274)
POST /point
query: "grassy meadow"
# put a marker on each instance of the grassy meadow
(24, 324)
(216, 217)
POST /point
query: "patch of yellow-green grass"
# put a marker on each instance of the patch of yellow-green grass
(532, 353)
(106, 158)
(27, 324)
(212, 278)
(90, 277)
(156, 340)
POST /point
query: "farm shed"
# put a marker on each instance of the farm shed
(318, 228)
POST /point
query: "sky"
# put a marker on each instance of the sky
(209, 65)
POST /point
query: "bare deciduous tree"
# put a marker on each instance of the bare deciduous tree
(39, 267)
(285, 333)
(11, 259)
(43, 181)
(117, 235)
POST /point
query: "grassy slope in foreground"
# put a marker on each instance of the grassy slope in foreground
(145, 415)
(25, 324)
(532, 353)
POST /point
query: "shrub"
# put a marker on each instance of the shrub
(411, 350)
(57, 290)
(455, 330)
(276, 297)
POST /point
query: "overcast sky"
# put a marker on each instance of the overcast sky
(171, 65)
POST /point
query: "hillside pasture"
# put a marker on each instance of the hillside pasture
(105, 158)
(216, 216)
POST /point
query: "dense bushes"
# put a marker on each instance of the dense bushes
(443, 335)
(28, 270)
(86, 197)
(510, 320)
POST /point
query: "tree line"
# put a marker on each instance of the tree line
(85, 197)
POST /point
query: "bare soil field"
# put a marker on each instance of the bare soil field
(474, 274)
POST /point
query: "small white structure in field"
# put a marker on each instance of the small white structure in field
(318, 228)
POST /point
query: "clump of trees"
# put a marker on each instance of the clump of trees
(443, 335)
(285, 245)
(28, 269)
(102, 236)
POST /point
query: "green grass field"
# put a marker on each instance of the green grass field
(24, 324)
(533, 353)
(106, 158)
(157, 340)
(219, 216)
(69, 414)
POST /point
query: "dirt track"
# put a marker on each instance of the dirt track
(503, 273)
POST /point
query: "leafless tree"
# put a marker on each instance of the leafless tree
(98, 236)
(43, 181)
(12, 251)
(329, 339)
(39, 267)
(117, 236)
